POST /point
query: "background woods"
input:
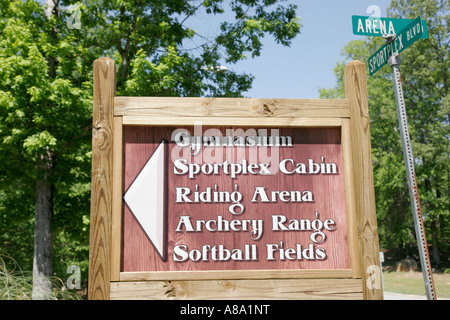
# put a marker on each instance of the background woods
(425, 74)
(47, 50)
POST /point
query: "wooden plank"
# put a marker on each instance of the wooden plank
(116, 228)
(230, 107)
(281, 289)
(356, 92)
(102, 179)
(350, 198)
(233, 274)
(232, 121)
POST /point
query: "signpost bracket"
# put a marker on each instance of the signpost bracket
(394, 60)
(389, 37)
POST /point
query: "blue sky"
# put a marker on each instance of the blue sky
(297, 72)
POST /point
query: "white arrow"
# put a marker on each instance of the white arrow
(146, 199)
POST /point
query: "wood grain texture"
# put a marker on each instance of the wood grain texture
(230, 107)
(356, 93)
(350, 197)
(236, 274)
(328, 193)
(116, 221)
(101, 180)
(231, 121)
(279, 289)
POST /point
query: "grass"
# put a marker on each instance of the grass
(18, 285)
(412, 283)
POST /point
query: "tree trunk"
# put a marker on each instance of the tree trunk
(435, 227)
(43, 239)
(43, 244)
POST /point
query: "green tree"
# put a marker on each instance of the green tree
(425, 74)
(44, 103)
(46, 56)
(159, 52)
(426, 86)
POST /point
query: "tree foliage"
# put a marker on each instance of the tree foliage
(42, 107)
(159, 51)
(425, 77)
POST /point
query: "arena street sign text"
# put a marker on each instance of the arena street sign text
(380, 26)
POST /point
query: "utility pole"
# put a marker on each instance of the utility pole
(394, 63)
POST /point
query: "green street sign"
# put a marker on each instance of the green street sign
(402, 40)
(372, 26)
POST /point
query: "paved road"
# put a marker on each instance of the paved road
(399, 296)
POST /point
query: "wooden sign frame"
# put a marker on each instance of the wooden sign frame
(350, 115)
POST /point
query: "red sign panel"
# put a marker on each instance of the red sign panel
(233, 199)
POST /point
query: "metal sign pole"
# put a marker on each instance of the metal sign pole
(394, 62)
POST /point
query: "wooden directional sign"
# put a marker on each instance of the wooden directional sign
(223, 198)
(378, 26)
(402, 40)
(237, 199)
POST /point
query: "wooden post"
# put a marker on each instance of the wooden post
(356, 92)
(102, 180)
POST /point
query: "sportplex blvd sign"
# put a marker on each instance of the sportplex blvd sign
(406, 37)
(202, 198)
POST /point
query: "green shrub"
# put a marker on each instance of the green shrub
(16, 284)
